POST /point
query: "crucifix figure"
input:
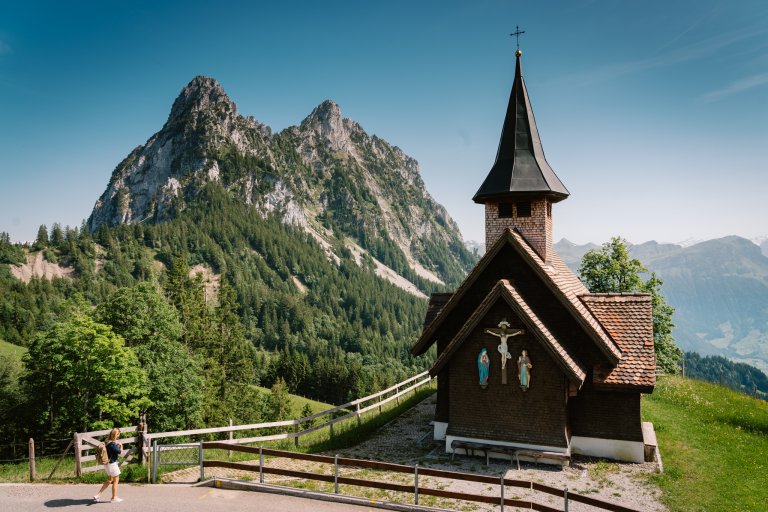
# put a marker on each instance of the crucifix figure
(503, 332)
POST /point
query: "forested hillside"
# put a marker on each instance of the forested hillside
(275, 307)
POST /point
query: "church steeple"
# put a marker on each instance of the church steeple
(520, 166)
(519, 191)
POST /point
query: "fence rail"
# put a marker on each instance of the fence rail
(84, 442)
(417, 471)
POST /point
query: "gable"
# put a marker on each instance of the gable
(556, 278)
(505, 291)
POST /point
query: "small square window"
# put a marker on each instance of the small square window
(523, 209)
(505, 210)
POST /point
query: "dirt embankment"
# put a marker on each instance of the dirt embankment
(38, 266)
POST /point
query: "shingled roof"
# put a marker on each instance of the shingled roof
(628, 319)
(436, 302)
(557, 276)
(504, 290)
(520, 167)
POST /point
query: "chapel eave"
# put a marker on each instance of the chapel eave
(557, 277)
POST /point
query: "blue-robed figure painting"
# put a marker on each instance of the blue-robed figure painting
(483, 366)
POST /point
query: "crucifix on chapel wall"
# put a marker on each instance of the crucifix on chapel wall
(503, 332)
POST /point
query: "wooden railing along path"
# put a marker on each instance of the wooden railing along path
(417, 471)
(85, 443)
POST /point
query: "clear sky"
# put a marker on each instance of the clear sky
(653, 113)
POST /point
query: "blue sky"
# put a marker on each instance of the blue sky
(653, 114)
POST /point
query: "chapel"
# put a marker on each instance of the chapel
(528, 360)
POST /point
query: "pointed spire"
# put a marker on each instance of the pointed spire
(520, 168)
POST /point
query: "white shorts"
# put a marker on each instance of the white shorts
(113, 469)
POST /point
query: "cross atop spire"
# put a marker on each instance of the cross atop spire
(517, 33)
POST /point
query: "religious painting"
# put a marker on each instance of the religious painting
(483, 367)
(524, 370)
(503, 332)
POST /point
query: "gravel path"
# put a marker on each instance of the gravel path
(408, 440)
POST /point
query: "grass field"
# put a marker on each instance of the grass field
(298, 403)
(9, 349)
(714, 445)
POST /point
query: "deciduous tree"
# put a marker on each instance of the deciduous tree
(611, 270)
(81, 376)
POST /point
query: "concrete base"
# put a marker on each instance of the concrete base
(625, 451)
(440, 429)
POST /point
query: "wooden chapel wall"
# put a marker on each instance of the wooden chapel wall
(605, 414)
(504, 412)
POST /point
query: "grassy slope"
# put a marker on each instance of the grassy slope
(298, 402)
(714, 445)
(9, 349)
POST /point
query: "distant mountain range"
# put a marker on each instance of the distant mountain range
(719, 289)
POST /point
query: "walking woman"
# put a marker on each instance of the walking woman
(113, 469)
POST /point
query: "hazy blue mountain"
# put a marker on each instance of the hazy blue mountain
(719, 289)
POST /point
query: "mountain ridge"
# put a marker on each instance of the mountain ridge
(325, 175)
(719, 289)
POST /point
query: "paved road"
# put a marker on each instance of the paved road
(149, 498)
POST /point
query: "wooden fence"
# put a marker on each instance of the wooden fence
(417, 471)
(141, 443)
(85, 444)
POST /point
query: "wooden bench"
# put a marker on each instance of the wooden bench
(471, 447)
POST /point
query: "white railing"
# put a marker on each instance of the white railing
(85, 442)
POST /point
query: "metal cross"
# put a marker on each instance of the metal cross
(517, 33)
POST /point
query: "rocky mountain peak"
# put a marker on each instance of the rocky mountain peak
(326, 112)
(200, 94)
(327, 123)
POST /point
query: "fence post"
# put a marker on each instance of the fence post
(397, 394)
(78, 462)
(230, 437)
(32, 471)
(155, 456)
(296, 432)
(145, 437)
(565, 498)
(202, 467)
(502, 493)
(379, 404)
(416, 484)
(336, 473)
(357, 413)
(261, 464)
(331, 428)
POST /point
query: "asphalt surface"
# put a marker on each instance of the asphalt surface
(148, 498)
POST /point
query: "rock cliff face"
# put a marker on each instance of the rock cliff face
(326, 175)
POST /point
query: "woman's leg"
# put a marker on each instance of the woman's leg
(104, 486)
(115, 480)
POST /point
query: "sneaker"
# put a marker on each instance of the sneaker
(96, 498)
(116, 500)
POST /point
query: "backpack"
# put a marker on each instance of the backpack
(102, 457)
